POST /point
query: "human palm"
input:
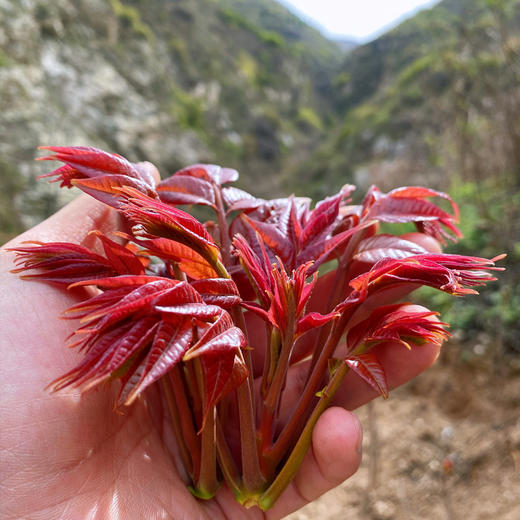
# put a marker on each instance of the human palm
(66, 457)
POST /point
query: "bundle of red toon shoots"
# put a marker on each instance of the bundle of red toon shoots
(174, 299)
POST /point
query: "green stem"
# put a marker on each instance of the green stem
(297, 455)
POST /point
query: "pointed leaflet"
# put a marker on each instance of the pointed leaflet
(210, 172)
(323, 216)
(329, 247)
(218, 291)
(314, 320)
(368, 368)
(158, 219)
(217, 356)
(217, 369)
(134, 345)
(274, 238)
(189, 261)
(453, 274)
(97, 172)
(109, 354)
(170, 342)
(378, 247)
(128, 281)
(410, 205)
(61, 262)
(397, 323)
(185, 189)
(201, 311)
(141, 299)
(122, 259)
(93, 358)
(106, 189)
(257, 269)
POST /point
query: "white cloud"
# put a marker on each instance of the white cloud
(360, 19)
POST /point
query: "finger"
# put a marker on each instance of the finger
(73, 223)
(334, 456)
(400, 364)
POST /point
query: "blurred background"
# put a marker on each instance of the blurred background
(427, 93)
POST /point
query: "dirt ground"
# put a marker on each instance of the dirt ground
(444, 447)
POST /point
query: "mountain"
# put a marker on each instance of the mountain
(235, 82)
(434, 98)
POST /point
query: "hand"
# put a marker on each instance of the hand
(66, 457)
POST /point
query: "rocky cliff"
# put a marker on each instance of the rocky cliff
(236, 82)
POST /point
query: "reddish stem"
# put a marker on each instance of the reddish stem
(176, 422)
(188, 430)
(252, 477)
(225, 242)
(300, 413)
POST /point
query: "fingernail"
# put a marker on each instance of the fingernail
(359, 428)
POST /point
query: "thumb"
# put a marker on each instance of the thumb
(73, 223)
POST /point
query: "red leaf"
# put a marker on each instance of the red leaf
(239, 200)
(141, 299)
(210, 172)
(453, 274)
(368, 367)
(321, 218)
(399, 324)
(218, 291)
(274, 238)
(122, 259)
(202, 311)
(60, 262)
(217, 371)
(314, 320)
(184, 189)
(190, 262)
(106, 188)
(97, 172)
(170, 342)
(409, 204)
(228, 340)
(115, 282)
(158, 219)
(375, 248)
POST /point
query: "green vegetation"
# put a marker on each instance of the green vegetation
(188, 110)
(132, 17)
(268, 37)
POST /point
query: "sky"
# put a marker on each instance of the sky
(361, 20)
